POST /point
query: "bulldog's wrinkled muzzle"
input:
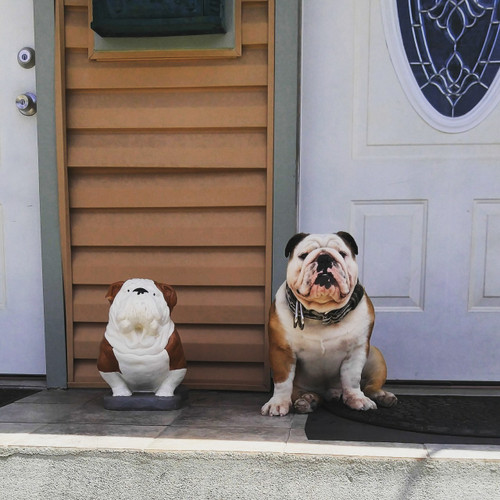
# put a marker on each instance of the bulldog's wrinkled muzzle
(324, 277)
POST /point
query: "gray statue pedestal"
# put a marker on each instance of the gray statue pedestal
(145, 401)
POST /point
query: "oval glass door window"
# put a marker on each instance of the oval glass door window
(447, 56)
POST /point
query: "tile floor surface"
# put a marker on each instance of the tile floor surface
(211, 421)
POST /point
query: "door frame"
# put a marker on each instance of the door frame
(288, 21)
(55, 332)
(287, 90)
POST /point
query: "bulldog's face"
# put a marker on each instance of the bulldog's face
(322, 270)
(139, 308)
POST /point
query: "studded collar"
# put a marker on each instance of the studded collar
(331, 317)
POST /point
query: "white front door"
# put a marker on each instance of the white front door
(21, 299)
(423, 203)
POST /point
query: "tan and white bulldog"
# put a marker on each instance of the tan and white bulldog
(141, 350)
(319, 330)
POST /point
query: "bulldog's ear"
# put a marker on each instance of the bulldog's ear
(113, 289)
(293, 242)
(169, 294)
(349, 241)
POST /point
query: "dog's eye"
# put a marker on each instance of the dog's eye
(154, 294)
(302, 256)
(343, 254)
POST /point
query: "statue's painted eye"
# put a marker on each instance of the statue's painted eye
(302, 256)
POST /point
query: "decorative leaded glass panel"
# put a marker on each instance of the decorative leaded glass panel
(453, 50)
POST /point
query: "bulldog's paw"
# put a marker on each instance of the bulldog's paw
(358, 401)
(276, 406)
(385, 399)
(121, 391)
(164, 393)
(306, 403)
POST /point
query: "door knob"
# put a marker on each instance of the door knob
(26, 57)
(26, 103)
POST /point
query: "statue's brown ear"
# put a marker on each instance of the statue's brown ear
(113, 289)
(169, 294)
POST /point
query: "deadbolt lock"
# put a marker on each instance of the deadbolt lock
(26, 57)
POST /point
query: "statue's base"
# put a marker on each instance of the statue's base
(147, 401)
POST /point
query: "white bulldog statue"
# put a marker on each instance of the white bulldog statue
(141, 350)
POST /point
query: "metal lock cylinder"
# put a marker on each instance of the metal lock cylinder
(26, 103)
(26, 57)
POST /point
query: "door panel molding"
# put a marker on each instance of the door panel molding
(2, 261)
(392, 237)
(484, 290)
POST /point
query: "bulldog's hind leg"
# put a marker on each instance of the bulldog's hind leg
(373, 379)
(305, 402)
(333, 394)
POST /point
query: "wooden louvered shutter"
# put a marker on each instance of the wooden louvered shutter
(166, 173)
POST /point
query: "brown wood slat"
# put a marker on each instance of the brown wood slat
(226, 376)
(170, 150)
(176, 227)
(254, 25)
(167, 162)
(76, 28)
(86, 374)
(167, 109)
(248, 70)
(205, 343)
(149, 190)
(86, 339)
(205, 305)
(223, 343)
(183, 266)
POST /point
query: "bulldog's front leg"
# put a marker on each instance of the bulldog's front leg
(350, 377)
(283, 363)
(171, 382)
(281, 401)
(117, 384)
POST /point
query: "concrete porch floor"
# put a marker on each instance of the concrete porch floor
(64, 444)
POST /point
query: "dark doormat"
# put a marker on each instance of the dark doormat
(415, 419)
(9, 395)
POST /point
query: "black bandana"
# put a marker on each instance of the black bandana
(335, 316)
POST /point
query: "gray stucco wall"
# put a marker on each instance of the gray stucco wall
(70, 474)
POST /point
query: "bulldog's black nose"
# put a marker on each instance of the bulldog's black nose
(324, 261)
(140, 291)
